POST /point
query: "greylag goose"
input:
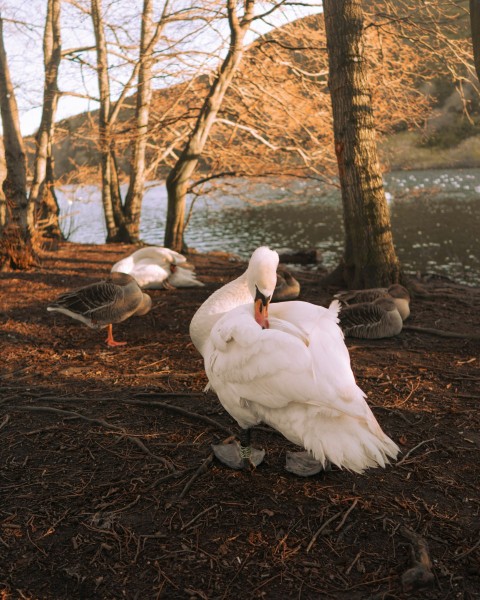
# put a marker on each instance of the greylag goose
(285, 365)
(287, 287)
(396, 292)
(155, 267)
(105, 302)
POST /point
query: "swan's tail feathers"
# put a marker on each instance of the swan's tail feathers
(335, 306)
(350, 443)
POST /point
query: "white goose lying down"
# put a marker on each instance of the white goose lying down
(100, 304)
(286, 365)
(155, 267)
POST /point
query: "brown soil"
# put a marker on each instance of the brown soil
(109, 489)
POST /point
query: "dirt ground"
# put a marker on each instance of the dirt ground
(109, 490)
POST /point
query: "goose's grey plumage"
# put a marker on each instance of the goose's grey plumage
(371, 320)
(287, 287)
(396, 292)
(100, 304)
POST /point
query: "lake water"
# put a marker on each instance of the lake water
(435, 219)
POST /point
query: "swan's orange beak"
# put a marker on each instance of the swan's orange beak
(261, 309)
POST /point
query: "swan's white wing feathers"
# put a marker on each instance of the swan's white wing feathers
(149, 276)
(277, 366)
(159, 255)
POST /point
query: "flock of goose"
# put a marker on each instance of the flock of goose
(284, 364)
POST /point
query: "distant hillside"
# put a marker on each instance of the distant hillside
(447, 138)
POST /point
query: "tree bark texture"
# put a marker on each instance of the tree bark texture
(369, 254)
(134, 197)
(42, 194)
(179, 177)
(16, 247)
(475, 28)
(111, 200)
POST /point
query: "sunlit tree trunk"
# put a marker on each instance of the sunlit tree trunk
(42, 194)
(369, 255)
(3, 212)
(134, 197)
(475, 26)
(110, 196)
(16, 247)
(179, 177)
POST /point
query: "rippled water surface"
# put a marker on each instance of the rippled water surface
(435, 219)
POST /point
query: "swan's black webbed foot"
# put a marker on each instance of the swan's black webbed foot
(304, 465)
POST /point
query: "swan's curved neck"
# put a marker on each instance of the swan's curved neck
(229, 296)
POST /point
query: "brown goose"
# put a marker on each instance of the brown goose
(287, 287)
(396, 292)
(105, 302)
(371, 320)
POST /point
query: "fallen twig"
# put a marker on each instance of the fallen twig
(174, 475)
(420, 575)
(322, 527)
(467, 552)
(330, 520)
(200, 514)
(74, 415)
(412, 450)
(201, 469)
(181, 411)
(441, 333)
(352, 564)
(345, 516)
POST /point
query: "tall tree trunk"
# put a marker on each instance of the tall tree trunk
(111, 202)
(17, 234)
(369, 254)
(475, 28)
(134, 197)
(42, 195)
(179, 177)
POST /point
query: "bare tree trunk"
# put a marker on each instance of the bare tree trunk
(3, 212)
(178, 178)
(17, 234)
(475, 27)
(42, 195)
(369, 254)
(111, 201)
(133, 200)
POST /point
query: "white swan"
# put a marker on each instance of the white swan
(285, 365)
(155, 267)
